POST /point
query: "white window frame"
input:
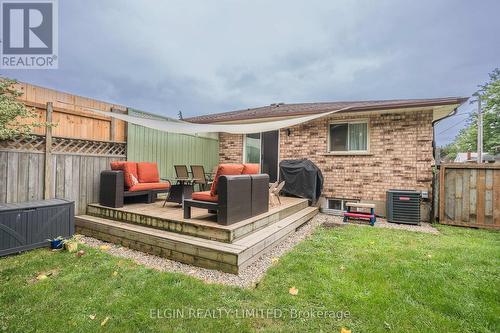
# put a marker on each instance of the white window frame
(244, 159)
(343, 201)
(245, 148)
(349, 152)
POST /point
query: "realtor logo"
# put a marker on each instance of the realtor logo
(29, 34)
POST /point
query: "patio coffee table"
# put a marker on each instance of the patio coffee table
(183, 189)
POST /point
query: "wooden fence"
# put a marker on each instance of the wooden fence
(469, 195)
(70, 170)
(63, 160)
(71, 114)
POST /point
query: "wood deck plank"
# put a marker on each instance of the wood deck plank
(202, 224)
(228, 257)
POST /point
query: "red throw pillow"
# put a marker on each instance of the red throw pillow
(117, 165)
(148, 172)
(250, 169)
(225, 170)
(129, 171)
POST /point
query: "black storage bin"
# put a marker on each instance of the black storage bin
(28, 225)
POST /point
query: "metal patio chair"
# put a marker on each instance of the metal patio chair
(181, 171)
(198, 172)
(274, 190)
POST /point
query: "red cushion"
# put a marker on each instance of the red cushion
(225, 170)
(205, 196)
(149, 186)
(147, 172)
(117, 165)
(129, 171)
(250, 169)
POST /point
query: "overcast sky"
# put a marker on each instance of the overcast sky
(214, 56)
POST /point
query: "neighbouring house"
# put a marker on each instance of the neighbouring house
(364, 150)
(472, 157)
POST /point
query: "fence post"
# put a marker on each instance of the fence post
(112, 127)
(441, 193)
(48, 153)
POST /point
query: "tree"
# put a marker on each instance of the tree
(466, 140)
(15, 118)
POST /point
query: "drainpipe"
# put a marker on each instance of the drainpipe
(454, 112)
(434, 209)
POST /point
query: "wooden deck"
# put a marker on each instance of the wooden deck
(202, 224)
(199, 241)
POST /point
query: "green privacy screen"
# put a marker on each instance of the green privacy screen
(169, 149)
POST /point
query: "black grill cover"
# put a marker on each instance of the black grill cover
(302, 179)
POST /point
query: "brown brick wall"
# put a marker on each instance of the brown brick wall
(400, 155)
(230, 148)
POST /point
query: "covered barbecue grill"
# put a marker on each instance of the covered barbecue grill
(302, 179)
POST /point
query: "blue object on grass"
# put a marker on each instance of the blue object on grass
(56, 243)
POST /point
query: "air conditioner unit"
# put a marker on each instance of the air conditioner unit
(403, 206)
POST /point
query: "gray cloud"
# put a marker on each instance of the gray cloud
(202, 57)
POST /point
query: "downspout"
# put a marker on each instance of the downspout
(454, 112)
(434, 209)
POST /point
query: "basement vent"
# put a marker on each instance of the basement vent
(403, 206)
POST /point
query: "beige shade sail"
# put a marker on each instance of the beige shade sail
(184, 127)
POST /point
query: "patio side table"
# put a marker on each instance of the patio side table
(183, 189)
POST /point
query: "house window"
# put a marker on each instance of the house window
(336, 205)
(252, 148)
(348, 137)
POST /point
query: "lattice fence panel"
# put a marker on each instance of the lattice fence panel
(36, 143)
(30, 143)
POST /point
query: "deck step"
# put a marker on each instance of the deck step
(201, 225)
(259, 242)
(194, 250)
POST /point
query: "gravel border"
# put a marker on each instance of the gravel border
(251, 275)
(333, 220)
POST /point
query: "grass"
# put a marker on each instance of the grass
(363, 279)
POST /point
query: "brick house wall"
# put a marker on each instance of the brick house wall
(400, 155)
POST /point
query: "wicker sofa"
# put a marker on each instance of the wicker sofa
(237, 193)
(133, 181)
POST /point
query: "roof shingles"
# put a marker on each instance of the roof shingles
(284, 110)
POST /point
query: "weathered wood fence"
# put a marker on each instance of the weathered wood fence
(64, 160)
(73, 115)
(469, 195)
(70, 169)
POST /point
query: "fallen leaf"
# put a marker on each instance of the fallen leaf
(342, 268)
(80, 253)
(104, 247)
(429, 255)
(293, 291)
(104, 321)
(92, 316)
(372, 243)
(344, 330)
(387, 326)
(42, 277)
(275, 260)
(115, 273)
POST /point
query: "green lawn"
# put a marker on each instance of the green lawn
(377, 280)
